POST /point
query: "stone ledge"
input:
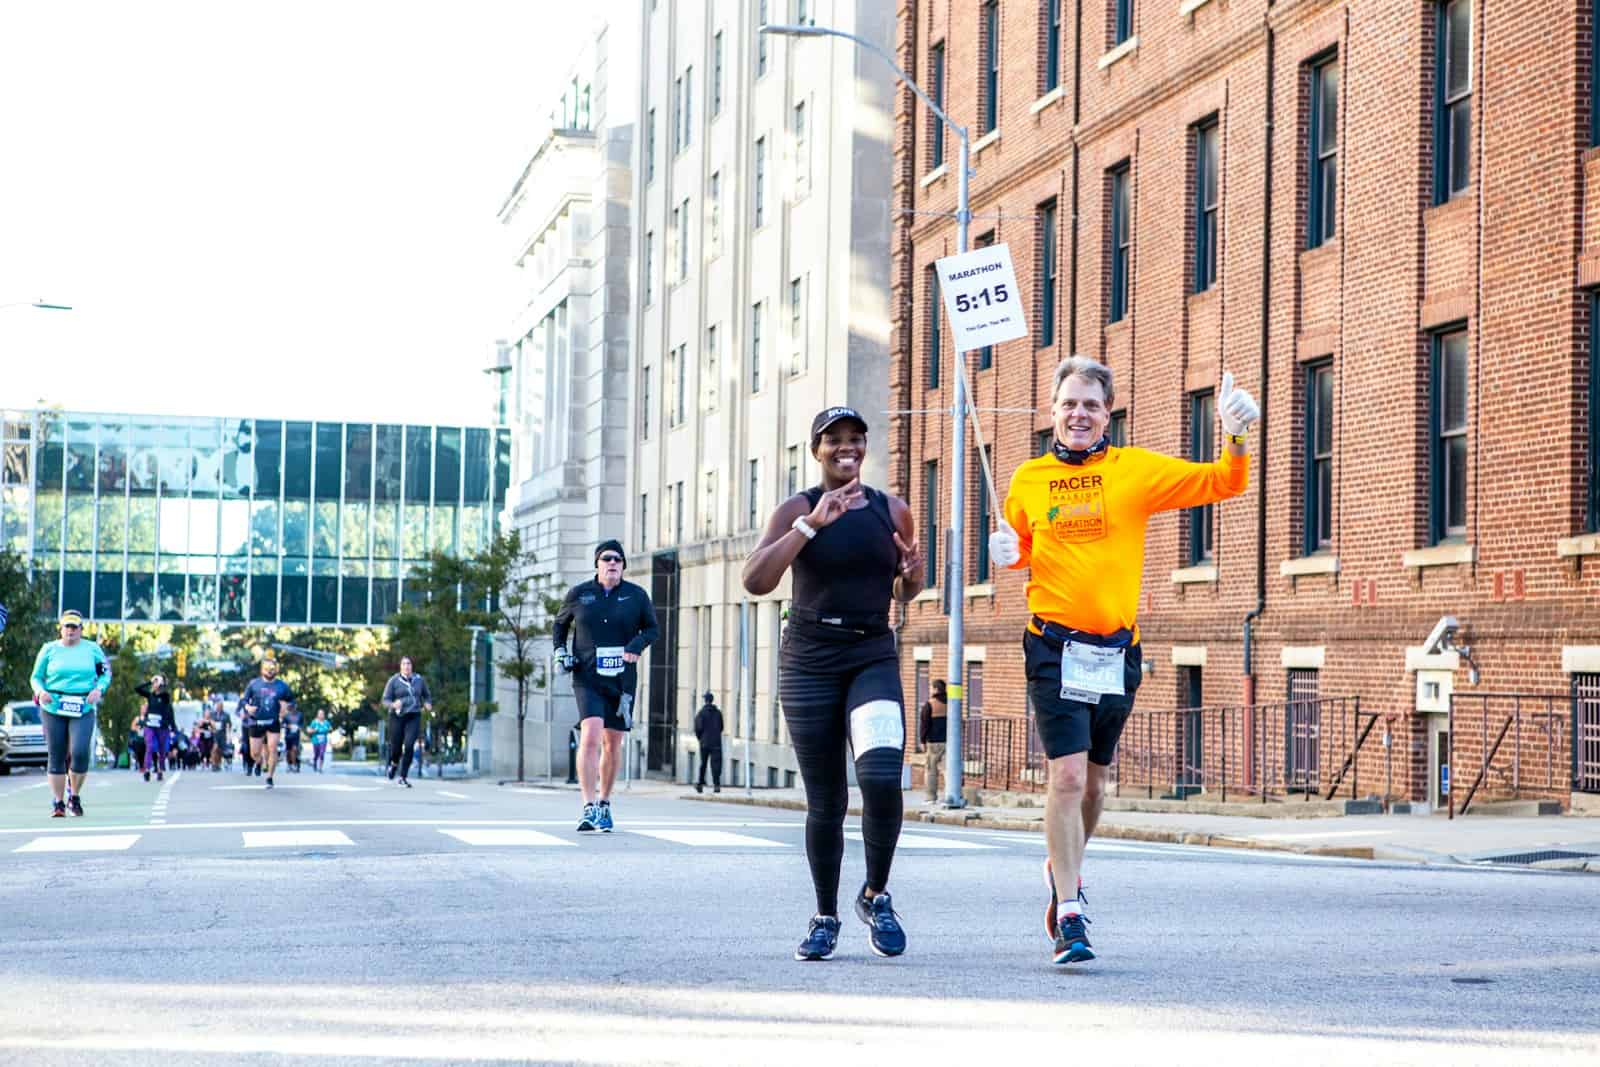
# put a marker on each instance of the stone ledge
(1195, 575)
(1126, 48)
(992, 137)
(1303, 565)
(982, 589)
(1047, 99)
(1189, 7)
(932, 176)
(1582, 545)
(1440, 555)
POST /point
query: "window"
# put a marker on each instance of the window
(936, 93)
(935, 338)
(683, 240)
(801, 16)
(708, 384)
(797, 331)
(1047, 275)
(986, 353)
(714, 210)
(1319, 458)
(980, 526)
(677, 513)
(1205, 206)
(1117, 428)
(1448, 416)
(991, 66)
(1592, 518)
(1042, 440)
(1323, 162)
(752, 494)
(650, 146)
(760, 186)
(792, 474)
(761, 39)
(1202, 449)
(675, 240)
(683, 378)
(1121, 20)
(930, 519)
(677, 115)
(644, 520)
(708, 514)
(1120, 244)
(649, 267)
(686, 111)
(802, 157)
(1052, 45)
(1452, 119)
(675, 384)
(716, 74)
(644, 403)
(755, 347)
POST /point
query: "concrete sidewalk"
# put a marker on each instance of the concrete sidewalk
(1290, 827)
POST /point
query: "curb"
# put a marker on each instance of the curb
(1124, 833)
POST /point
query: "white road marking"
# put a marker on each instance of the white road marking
(926, 841)
(241, 824)
(328, 788)
(103, 843)
(158, 810)
(293, 838)
(708, 838)
(458, 796)
(505, 837)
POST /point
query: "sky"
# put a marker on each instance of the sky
(265, 209)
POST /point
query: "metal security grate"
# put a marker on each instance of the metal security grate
(1540, 857)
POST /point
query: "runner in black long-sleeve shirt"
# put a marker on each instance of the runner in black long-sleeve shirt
(159, 721)
(611, 622)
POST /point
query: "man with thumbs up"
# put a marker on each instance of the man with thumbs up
(1077, 517)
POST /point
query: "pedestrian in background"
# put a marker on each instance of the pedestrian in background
(931, 735)
(708, 734)
(407, 697)
(160, 723)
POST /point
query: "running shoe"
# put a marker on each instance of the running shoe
(887, 936)
(1072, 940)
(405, 783)
(75, 805)
(602, 820)
(1050, 911)
(269, 781)
(590, 816)
(58, 809)
(147, 776)
(394, 769)
(820, 940)
(158, 776)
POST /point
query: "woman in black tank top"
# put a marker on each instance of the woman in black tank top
(852, 548)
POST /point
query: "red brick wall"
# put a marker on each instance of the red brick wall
(1508, 257)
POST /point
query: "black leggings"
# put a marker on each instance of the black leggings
(64, 734)
(817, 706)
(403, 738)
(711, 757)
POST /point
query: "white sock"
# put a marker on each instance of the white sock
(1068, 907)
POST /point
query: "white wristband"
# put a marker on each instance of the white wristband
(804, 527)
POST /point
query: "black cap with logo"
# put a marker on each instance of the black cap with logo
(828, 416)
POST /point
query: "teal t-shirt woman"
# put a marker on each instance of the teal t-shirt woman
(69, 678)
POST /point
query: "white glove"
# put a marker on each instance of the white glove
(1236, 408)
(1005, 548)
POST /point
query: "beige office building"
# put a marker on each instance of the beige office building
(761, 295)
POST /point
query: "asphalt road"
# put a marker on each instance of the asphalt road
(340, 919)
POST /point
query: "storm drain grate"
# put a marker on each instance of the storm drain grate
(1540, 857)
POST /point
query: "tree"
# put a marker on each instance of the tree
(433, 628)
(503, 578)
(31, 624)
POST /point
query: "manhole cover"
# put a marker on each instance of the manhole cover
(1472, 981)
(1539, 857)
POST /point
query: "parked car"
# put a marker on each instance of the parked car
(25, 736)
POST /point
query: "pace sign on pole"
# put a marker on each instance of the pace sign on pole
(981, 297)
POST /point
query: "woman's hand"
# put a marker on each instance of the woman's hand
(910, 558)
(95, 695)
(41, 698)
(835, 502)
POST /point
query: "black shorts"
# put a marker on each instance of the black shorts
(1070, 726)
(604, 705)
(262, 729)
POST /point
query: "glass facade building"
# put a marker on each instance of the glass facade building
(241, 521)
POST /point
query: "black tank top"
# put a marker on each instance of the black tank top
(845, 575)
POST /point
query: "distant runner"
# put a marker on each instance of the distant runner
(261, 708)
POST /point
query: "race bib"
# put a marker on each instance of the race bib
(608, 662)
(153, 720)
(72, 706)
(1089, 672)
(876, 724)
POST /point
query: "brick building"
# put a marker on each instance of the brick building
(1375, 214)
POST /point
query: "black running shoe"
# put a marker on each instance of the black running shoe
(394, 769)
(58, 809)
(590, 817)
(887, 936)
(75, 805)
(820, 940)
(147, 776)
(405, 783)
(1072, 940)
(269, 781)
(158, 776)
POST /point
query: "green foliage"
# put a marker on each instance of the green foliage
(30, 626)
(433, 629)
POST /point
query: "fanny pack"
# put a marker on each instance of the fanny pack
(1057, 634)
(861, 622)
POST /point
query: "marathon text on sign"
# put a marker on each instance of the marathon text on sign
(981, 297)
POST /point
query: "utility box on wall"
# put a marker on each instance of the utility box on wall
(1434, 689)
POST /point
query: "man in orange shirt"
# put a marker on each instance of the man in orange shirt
(1077, 516)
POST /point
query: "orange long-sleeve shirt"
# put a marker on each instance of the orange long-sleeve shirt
(1082, 527)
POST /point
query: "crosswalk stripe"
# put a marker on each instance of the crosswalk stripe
(505, 837)
(103, 843)
(709, 838)
(293, 838)
(457, 796)
(926, 841)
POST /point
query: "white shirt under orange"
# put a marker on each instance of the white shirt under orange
(1082, 527)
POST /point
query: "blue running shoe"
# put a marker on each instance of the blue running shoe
(820, 940)
(590, 817)
(602, 820)
(1072, 940)
(1050, 909)
(886, 934)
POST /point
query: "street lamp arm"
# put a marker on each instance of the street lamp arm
(36, 304)
(825, 31)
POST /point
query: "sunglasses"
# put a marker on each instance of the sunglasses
(609, 558)
(70, 626)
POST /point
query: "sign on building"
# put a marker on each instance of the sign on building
(981, 297)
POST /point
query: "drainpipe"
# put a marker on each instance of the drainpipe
(1261, 475)
(1077, 103)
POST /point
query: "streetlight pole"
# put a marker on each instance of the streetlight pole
(40, 304)
(954, 581)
